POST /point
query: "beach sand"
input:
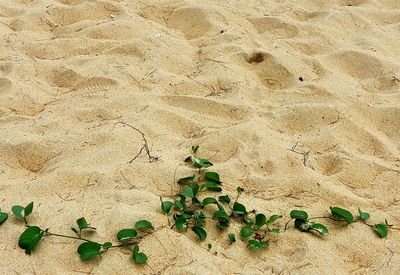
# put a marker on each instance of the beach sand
(246, 80)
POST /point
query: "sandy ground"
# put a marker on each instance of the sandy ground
(222, 74)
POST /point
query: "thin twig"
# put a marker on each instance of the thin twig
(304, 154)
(144, 147)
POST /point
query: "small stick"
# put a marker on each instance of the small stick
(144, 147)
(304, 154)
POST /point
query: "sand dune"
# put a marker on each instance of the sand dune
(246, 80)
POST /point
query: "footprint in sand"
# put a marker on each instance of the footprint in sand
(275, 26)
(374, 74)
(68, 78)
(192, 22)
(270, 71)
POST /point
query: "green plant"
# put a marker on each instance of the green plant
(188, 208)
(304, 223)
(88, 249)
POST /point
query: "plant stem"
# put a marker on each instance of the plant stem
(125, 244)
(69, 237)
(286, 224)
(329, 217)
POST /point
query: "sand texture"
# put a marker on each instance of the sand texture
(222, 74)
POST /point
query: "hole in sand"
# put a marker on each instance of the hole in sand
(256, 57)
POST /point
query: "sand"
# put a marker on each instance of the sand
(246, 80)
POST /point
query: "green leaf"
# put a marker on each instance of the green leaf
(363, 215)
(209, 246)
(139, 258)
(231, 238)
(273, 218)
(181, 223)
(3, 217)
(239, 209)
(30, 238)
(166, 206)
(186, 180)
(126, 234)
(178, 205)
(382, 230)
(225, 199)
(28, 210)
(200, 232)
(221, 215)
(143, 224)
(222, 224)
(275, 230)
(213, 177)
(211, 186)
(299, 215)
(203, 163)
(320, 228)
(200, 218)
(82, 223)
(135, 249)
(199, 163)
(342, 213)
(240, 190)
(18, 211)
(246, 232)
(89, 250)
(261, 219)
(209, 200)
(302, 225)
(107, 245)
(256, 245)
(188, 191)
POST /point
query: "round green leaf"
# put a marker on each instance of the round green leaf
(82, 223)
(181, 223)
(30, 238)
(188, 191)
(239, 209)
(143, 224)
(342, 213)
(18, 211)
(209, 200)
(200, 232)
(320, 228)
(3, 217)
(273, 218)
(231, 238)
(28, 210)
(222, 224)
(382, 230)
(166, 206)
(225, 199)
(139, 258)
(203, 163)
(88, 250)
(125, 234)
(363, 215)
(261, 219)
(256, 245)
(299, 215)
(107, 245)
(302, 225)
(212, 176)
(211, 186)
(246, 232)
(186, 180)
(221, 215)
